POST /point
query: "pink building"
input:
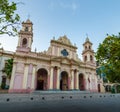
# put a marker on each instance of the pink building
(58, 68)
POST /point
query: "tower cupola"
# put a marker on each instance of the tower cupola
(25, 37)
(88, 53)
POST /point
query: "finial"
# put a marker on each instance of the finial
(28, 16)
(35, 49)
(87, 39)
(53, 37)
(86, 35)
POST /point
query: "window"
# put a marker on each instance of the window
(26, 29)
(64, 52)
(91, 58)
(85, 59)
(24, 42)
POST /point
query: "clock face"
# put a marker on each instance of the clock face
(64, 52)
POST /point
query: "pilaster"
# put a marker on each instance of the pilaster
(13, 75)
(72, 80)
(29, 44)
(58, 78)
(33, 77)
(25, 77)
(77, 80)
(51, 79)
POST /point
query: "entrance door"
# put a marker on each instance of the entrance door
(40, 85)
(81, 82)
(41, 79)
(64, 81)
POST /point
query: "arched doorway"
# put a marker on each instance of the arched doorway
(117, 88)
(64, 81)
(99, 88)
(42, 79)
(81, 82)
(108, 88)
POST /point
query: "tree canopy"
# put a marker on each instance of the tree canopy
(8, 68)
(9, 20)
(108, 56)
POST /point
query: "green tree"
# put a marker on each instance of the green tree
(8, 68)
(9, 20)
(108, 56)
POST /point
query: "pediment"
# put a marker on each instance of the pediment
(64, 60)
(65, 40)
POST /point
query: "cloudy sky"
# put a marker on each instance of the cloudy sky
(74, 18)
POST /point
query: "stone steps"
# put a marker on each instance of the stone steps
(60, 92)
(40, 97)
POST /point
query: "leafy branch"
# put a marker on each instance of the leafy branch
(9, 20)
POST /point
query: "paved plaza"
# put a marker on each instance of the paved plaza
(60, 103)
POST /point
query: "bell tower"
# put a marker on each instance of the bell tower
(25, 37)
(88, 53)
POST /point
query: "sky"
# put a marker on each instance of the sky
(74, 18)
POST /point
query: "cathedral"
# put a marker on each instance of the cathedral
(57, 69)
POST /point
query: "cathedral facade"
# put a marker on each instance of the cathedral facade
(58, 68)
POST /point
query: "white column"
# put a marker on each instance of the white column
(25, 77)
(13, 75)
(58, 78)
(72, 79)
(51, 78)
(77, 80)
(33, 77)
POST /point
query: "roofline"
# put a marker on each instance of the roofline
(52, 41)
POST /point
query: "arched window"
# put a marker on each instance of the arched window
(91, 58)
(24, 42)
(85, 47)
(85, 58)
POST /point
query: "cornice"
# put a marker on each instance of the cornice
(88, 50)
(25, 33)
